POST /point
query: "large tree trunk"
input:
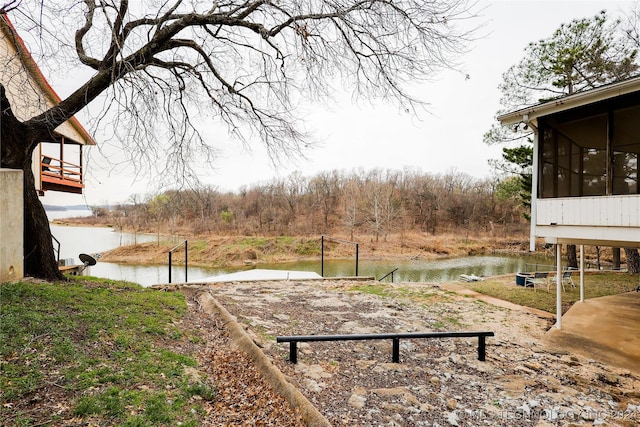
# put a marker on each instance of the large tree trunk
(616, 258)
(572, 256)
(39, 257)
(633, 260)
(18, 142)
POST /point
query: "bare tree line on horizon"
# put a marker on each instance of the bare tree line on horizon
(376, 203)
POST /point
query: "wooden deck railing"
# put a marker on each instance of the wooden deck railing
(58, 174)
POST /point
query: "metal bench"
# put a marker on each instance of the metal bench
(395, 337)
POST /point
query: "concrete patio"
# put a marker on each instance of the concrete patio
(606, 329)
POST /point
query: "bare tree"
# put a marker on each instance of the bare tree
(160, 68)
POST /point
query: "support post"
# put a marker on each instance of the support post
(482, 346)
(186, 260)
(293, 351)
(169, 266)
(357, 245)
(581, 273)
(395, 357)
(559, 286)
(322, 256)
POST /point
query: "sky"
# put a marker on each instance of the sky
(448, 137)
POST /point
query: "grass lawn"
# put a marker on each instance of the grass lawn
(103, 348)
(596, 284)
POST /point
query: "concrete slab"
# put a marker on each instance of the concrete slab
(260, 274)
(606, 329)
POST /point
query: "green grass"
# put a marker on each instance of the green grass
(595, 285)
(282, 244)
(424, 294)
(104, 345)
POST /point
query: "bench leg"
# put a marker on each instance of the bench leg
(481, 348)
(293, 351)
(395, 357)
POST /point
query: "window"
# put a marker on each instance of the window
(626, 146)
(578, 148)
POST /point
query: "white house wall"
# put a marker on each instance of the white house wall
(600, 220)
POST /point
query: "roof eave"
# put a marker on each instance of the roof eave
(8, 28)
(531, 114)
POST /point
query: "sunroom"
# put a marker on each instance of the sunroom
(585, 168)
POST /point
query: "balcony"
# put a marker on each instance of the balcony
(59, 175)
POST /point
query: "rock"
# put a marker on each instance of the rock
(452, 418)
(282, 316)
(452, 404)
(357, 401)
(608, 378)
(396, 367)
(524, 370)
(360, 390)
(435, 381)
(312, 385)
(402, 392)
(426, 407)
(533, 366)
(393, 407)
(365, 364)
(570, 360)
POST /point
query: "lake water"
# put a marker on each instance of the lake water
(92, 240)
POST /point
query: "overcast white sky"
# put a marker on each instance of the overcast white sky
(367, 137)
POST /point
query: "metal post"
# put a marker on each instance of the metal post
(581, 273)
(322, 257)
(169, 266)
(293, 351)
(481, 348)
(396, 350)
(559, 286)
(185, 261)
(357, 259)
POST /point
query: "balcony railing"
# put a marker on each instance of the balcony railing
(59, 175)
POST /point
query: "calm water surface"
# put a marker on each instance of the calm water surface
(91, 240)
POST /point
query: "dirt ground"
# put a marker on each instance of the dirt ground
(437, 382)
(244, 398)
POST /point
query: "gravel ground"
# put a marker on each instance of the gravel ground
(437, 382)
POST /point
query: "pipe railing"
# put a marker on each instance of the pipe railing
(56, 249)
(388, 274)
(395, 337)
(186, 259)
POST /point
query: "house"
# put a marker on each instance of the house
(57, 162)
(586, 166)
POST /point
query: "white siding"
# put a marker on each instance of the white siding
(606, 211)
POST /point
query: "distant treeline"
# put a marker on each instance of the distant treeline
(376, 203)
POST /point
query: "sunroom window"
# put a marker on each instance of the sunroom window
(578, 151)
